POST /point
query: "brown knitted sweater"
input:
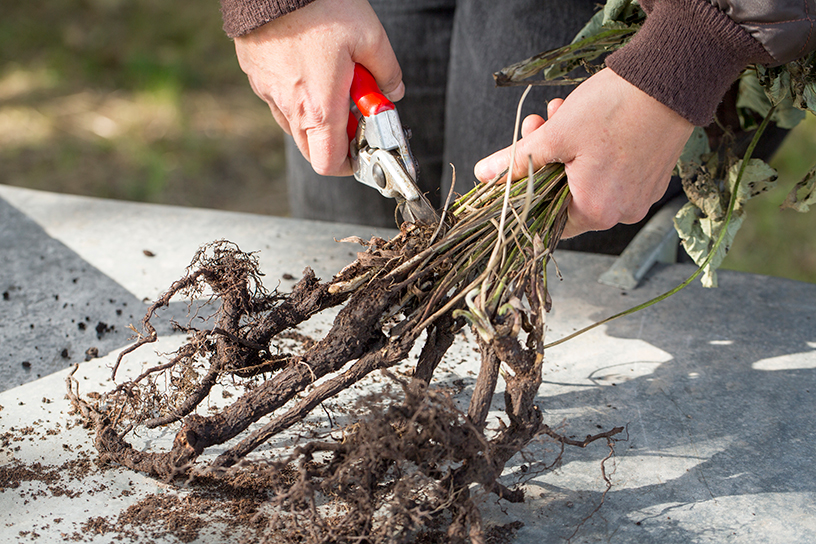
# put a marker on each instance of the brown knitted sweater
(243, 16)
(687, 55)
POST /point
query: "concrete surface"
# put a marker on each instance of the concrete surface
(715, 387)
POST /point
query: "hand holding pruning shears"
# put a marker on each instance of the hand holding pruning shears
(302, 65)
(380, 156)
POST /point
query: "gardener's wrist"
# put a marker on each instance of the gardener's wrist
(687, 55)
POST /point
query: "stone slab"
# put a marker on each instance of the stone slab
(715, 388)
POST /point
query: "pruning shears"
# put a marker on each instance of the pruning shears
(378, 147)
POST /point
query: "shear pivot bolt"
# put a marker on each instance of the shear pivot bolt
(378, 175)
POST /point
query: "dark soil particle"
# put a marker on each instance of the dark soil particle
(102, 329)
(97, 526)
(233, 502)
(12, 475)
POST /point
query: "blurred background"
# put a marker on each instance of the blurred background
(144, 100)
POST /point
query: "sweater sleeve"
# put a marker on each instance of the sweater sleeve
(243, 16)
(686, 55)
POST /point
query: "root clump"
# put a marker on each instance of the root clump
(405, 472)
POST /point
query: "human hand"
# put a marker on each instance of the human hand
(618, 145)
(302, 64)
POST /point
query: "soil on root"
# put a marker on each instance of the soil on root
(385, 478)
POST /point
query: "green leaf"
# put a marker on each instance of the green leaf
(593, 27)
(617, 10)
(613, 13)
(803, 194)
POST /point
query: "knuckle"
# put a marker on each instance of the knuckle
(635, 213)
(599, 217)
(605, 222)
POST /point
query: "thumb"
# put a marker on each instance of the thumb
(536, 145)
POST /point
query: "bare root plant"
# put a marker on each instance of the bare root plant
(416, 461)
(412, 463)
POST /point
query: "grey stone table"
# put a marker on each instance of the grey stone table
(716, 387)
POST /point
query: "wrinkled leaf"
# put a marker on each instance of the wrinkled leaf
(803, 194)
(691, 158)
(755, 96)
(705, 190)
(700, 222)
(802, 73)
(699, 234)
(613, 12)
(618, 10)
(758, 178)
(809, 97)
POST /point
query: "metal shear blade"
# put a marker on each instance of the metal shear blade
(387, 170)
(379, 151)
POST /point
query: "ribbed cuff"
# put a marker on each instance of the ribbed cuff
(243, 16)
(687, 55)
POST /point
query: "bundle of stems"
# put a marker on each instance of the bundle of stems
(497, 233)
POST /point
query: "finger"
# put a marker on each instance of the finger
(317, 149)
(552, 106)
(319, 123)
(539, 144)
(594, 206)
(379, 58)
(326, 148)
(280, 118)
(575, 225)
(584, 214)
(530, 124)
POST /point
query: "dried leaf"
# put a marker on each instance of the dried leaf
(691, 158)
(700, 222)
(758, 178)
(803, 194)
(369, 260)
(353, 240)
(770, 88)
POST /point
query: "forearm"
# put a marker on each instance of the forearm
(243, 16)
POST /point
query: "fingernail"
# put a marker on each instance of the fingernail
(484, 170)
(397, 94)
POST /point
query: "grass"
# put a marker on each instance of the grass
(138, 100)
(144, 100)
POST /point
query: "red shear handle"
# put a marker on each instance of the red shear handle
(366, 94)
